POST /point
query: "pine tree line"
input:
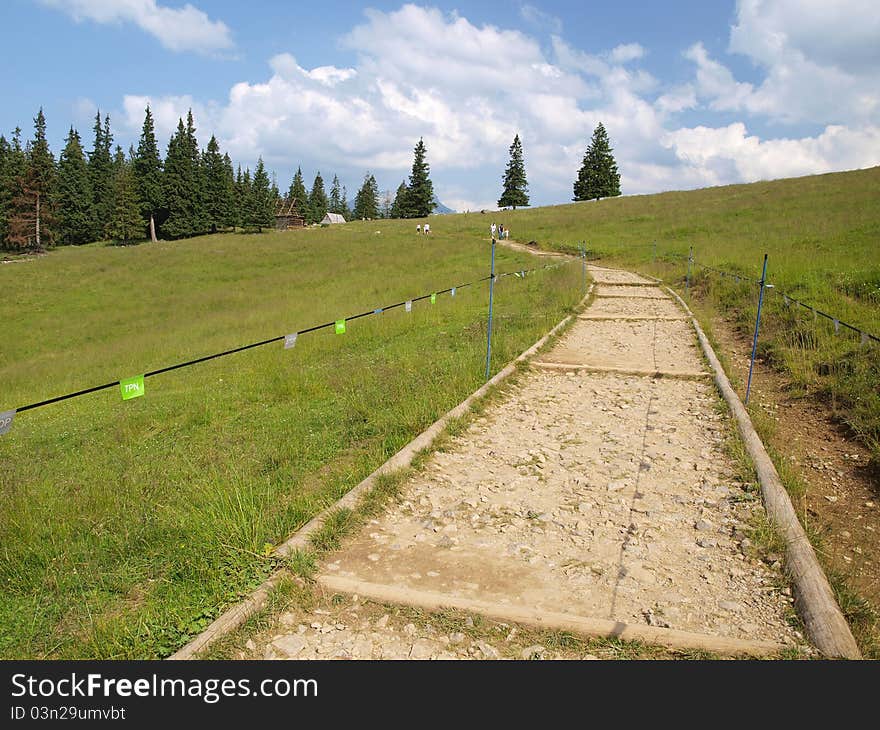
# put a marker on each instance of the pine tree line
(105, 194)
(99, 194)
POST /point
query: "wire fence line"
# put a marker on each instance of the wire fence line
(134, 387)
(788, 299)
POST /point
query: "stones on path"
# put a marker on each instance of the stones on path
(599, 495)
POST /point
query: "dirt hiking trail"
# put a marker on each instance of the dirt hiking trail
(594, 495)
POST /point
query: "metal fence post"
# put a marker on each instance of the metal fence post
(687, 281)
(491, 298)
(763, 284)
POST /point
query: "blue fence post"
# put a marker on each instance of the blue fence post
(687, 281)
(491, 298)
(763, 284)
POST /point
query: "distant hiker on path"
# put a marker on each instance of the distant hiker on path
(493, 229)
(501, 231)
(427, 228)
(419, 228)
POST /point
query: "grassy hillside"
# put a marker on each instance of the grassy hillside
(822, 234)
(127, 526)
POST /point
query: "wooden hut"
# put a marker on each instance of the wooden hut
(287, 215)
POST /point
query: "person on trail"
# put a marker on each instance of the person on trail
(493, 229)
(501, 231)
(419, 228)
(427, 228)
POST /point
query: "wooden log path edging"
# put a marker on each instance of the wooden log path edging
(549, 620)
(578, 367)
(235, 616)
(814, 599)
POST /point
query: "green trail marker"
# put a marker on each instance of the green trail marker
(433, 298)
(340, 326)
(132, 387)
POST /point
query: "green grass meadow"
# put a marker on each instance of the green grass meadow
(126, 527)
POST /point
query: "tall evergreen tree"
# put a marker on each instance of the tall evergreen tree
(31, 218)
(598, 176)
(366, 202)
(334, 202)
(216, 186)
(126, 222)
(400, 206)
(11, 176)
(148, 174)
(240, 196)
(199, 221)
(5, 153)
(229, 193)
(74, 198)
(299, 194)
(317, 201)
(101, 175)
(261, 203)
(515, 192)
(183, 183)
(420, 196)
(177, 184)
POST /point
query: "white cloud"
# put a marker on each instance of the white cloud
(627, 52)
(178, 29)
(730, 154)
(819, 59)
(539, 19)
(467, 89)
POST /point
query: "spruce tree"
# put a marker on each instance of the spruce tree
(298, 194)
(261, 201)
(101, 175)
(148, 174)
(215, 193)
(74, 197)
(400, 206)
(515, 185)
(31, 218)
(366, 202)
(177, 186)
(229, 205)
(239, 198)
(126, 222)
(334, 202)
(420, 195)
(199, 217)
(598, 176)
(11, 175)
(5, 153)
(183, 183)
(317, 201)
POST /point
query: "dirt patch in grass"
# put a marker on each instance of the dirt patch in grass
(834, 488)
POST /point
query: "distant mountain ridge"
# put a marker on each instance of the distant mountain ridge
(440, 209)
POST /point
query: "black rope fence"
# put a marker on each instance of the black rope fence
(6, 417)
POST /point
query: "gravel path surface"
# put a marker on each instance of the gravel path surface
(600, 495)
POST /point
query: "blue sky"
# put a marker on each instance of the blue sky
(692, 93)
